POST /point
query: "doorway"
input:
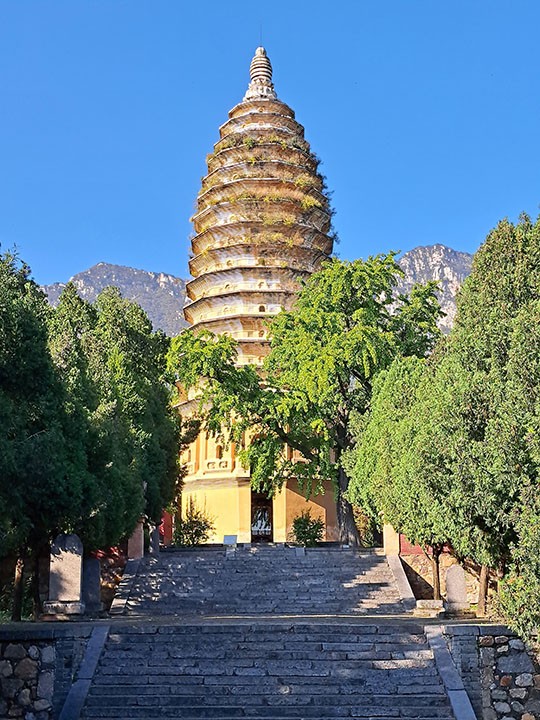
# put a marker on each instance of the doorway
(262, 530)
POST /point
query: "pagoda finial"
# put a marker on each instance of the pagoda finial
(260, 73)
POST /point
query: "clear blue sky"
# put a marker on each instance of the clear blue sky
(426, 115)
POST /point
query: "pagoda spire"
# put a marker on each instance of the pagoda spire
(260, 73)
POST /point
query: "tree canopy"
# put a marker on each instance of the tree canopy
(345, 326)
(89, 441)
(468, 433)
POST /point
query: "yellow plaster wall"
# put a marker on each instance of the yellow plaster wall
(228, 503)
(320, 506)
(221, 503)
(244, 511)
(279, 512)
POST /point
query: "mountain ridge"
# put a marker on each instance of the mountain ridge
(162, 295)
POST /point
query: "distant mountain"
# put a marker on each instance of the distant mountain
(437, 262)
(160, 295)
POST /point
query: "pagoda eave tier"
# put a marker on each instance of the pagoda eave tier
(227, 157)
(252, 232)
(253, 257)
(302, 189)
(269, 302)
(263, 169)
(260, 118)
(254, 279)
(241, 325)
(284, 213)
(262, 105)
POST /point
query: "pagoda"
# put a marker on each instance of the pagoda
(262, 225)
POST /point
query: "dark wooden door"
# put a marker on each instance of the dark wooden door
(261, 518)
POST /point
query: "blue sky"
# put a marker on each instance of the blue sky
(425, 113)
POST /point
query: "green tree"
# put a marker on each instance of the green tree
(114, 369)
(520, 592)
(346, 325)
(468, 445)
(88, 439)
(70, 326)
(41, 489)
(486, 481)
(389, 464)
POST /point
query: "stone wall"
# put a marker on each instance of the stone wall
(500, 674)
(38, 664)
(27, 679)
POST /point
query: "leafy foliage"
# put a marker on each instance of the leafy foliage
(307, 531)
(195, 528)
(88, 439)
(345, 326)
(450, 450)
(41, 485)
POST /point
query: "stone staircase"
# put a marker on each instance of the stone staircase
(265, 632)
(265, 580)
(267, 670)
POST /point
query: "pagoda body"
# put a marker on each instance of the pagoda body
(261, 227)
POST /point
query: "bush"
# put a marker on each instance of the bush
(365, 526)
(307, 531)
(195, 528)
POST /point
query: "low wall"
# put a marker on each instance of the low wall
(500, 674)
(38, 664)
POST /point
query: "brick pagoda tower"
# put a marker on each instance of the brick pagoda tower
(262, 225)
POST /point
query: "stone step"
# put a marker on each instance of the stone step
(249, 700)
(267, 670)
(240, 660)
(264, 580)
(189, 686)
(266, 713)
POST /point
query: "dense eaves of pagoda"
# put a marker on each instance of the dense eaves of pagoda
(262, 222)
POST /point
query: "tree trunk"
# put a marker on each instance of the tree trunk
(483, 591)
(36, 598)
(435, 569)
(18, 588)
(348, 532)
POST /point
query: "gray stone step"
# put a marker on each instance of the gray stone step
(205, 638)
(264, 581)
(267, 670)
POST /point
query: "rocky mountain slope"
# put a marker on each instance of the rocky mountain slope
(162, 296)
(437, 262)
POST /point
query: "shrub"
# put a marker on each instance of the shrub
(307, 531)
(194, 528)
(366, 527)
